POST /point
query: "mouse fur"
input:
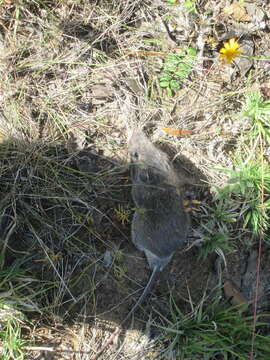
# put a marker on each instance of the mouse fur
(160, 223)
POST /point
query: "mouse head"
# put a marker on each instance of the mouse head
(143, 152)
(138, 144)
(149, 165)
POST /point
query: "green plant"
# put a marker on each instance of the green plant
(122, 214)
(217, 226)
(190, 5)
(16, 282)
(244, 191)
(11, 333)
(212, 332)
(216, 242)
(119, 267)
(177, 68)
(257, 111)
(221, 214)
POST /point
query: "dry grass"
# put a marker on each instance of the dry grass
(76, 76)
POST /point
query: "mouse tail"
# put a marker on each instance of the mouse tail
(146, 291)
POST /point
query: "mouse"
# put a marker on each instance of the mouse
(160, 224)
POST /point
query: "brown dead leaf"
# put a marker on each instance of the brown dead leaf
(233, 294)
(178, 132)
(237, 11)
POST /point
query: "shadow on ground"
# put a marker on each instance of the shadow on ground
(65, 236)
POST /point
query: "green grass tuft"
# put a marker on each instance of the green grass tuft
(11, 333)
(244, 191)
(257, 111)
(212, 332)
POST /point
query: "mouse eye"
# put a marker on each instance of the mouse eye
(135, 155)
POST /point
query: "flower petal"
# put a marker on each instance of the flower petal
(230, 50)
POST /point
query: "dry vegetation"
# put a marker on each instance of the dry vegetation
(76, 76)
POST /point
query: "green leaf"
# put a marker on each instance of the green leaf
(165, 77)
(169, 91)
(175, 85)
(177, 68)
(164, 84)
(191, 51)
(181, 74)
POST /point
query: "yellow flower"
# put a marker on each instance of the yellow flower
(230, 50)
